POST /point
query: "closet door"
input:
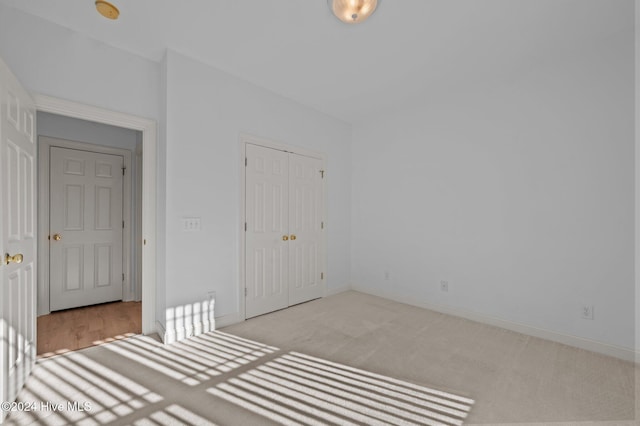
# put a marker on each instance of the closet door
(267, 233)
(305, 229)
(283, 235)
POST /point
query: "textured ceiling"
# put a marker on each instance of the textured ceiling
(406, 50)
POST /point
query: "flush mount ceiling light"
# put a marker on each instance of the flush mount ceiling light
(107, 10)
(352, 11)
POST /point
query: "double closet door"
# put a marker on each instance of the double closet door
(283, 232)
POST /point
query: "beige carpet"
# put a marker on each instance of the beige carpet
(345, 359)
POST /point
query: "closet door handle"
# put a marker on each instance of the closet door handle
(285, 238)
(293, 237)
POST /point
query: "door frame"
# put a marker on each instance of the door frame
(148, 128)
(44, 191)
(246, 139)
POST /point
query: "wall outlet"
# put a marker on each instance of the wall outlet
(587, 312)
(444, 285)
(387, 275)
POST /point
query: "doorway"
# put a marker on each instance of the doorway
(147, 172)
(89, 211)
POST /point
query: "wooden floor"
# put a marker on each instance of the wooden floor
(78, 328)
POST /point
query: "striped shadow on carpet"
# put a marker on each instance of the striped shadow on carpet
(299, 389)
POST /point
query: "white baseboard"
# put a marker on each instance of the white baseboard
(160, 330)
(229, 319)
(334, 291)
(189, 320)
(578, 342)
(221, 321)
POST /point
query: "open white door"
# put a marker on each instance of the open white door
(17, 235)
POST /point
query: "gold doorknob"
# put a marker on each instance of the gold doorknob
(285, 238)
(17, 258)
(57, 237)
(293, 237)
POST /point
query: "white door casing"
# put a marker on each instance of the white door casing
(267, 200)
(86, 228)
(284, 211)
(17, 235)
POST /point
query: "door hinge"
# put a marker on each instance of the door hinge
(246, 292)
(321, 225)
(245, 161)
(245, 227)
(123, 277)
(322, 174)
(123, 169)
(322, 275)
(123, 224)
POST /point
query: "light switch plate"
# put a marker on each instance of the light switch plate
(190, 223)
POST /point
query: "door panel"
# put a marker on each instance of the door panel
(86, 212)
(17, 235)
(305, 209)
(73, 262)
(266, 259)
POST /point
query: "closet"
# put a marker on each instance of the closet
(283, 229)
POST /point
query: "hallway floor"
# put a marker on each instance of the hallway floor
(78, 328)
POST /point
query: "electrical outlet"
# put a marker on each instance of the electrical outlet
(587, 312)
(387, 275)
(444, 285)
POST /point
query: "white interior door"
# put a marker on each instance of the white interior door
(17, 235)
(283, 238)
(267, 234)
(86, 228)
(305, 228)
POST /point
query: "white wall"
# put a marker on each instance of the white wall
(206, 112)
(52, 60)
(73, 129)
(520, 194)
(161, 201)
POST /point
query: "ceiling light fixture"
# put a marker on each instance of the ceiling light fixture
(107, 10)
(352, 11)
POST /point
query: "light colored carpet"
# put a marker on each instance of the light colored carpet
(513, 378)
(221, 379)
(350, 359)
